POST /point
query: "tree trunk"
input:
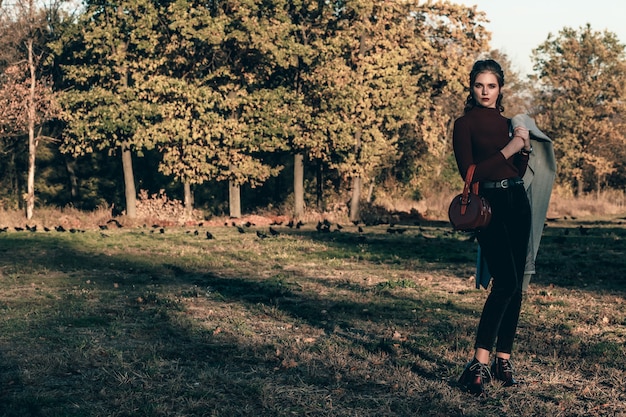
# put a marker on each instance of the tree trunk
(16, 185)
(298, 185)
(370, 193)
(319, 189)
(73, 179)
(355, 199)
(234, 199)
(129, 182)
(32, 140)
(127, 156)
(580, 189)
(357, 182)
(188, 200)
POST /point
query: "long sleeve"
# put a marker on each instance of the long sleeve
(478, 137)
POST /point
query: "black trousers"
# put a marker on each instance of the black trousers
(504, 244)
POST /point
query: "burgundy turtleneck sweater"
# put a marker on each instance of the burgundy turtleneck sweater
(477, 139)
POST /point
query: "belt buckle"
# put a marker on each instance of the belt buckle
(504, 183)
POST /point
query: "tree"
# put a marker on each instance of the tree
(581, 94)
(453, 37)
(112, 52)
(27, 100)
(183, 129)
(392, 67)
(255, 41)
(359, 85)
(296, 54)
(212, 102)
(224, 89)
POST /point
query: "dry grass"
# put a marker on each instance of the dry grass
(134, 322)
(68, 217)
(605, 203)
(562, 204)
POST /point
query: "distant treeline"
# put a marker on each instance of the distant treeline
(236, 105)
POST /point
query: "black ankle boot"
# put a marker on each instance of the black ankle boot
(502, 370)
(474, 377)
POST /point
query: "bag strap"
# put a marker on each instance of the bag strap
(466, 188)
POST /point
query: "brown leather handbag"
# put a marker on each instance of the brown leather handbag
(469, 211)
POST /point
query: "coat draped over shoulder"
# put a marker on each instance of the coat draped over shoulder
(538, 182)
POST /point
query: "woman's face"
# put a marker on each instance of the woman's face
(486, 89)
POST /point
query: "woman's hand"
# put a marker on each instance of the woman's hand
(524, 134)
(520, 140)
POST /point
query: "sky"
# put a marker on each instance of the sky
(519, 27)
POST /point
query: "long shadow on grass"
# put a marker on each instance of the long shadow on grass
(378, 244)
(584, 255)
(78, 366)
(402, 325)
(142, 342)
(587, 255)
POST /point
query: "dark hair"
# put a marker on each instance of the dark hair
(486, 65)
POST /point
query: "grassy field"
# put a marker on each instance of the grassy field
(142, 321)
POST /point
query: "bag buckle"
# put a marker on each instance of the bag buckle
(504, 183)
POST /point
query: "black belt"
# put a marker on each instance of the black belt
(505, 183)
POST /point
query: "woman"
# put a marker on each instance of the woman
(482, 137)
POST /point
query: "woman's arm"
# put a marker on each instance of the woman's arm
(520, 140)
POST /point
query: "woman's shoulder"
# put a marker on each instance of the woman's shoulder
(480, 114)
(464, 119)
